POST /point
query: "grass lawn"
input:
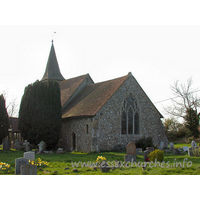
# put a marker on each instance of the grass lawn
(61, 164)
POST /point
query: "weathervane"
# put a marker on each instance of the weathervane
(53, 35)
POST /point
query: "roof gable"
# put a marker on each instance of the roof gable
(70, 86)
(92, 98)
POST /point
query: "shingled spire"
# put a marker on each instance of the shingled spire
(52, 69)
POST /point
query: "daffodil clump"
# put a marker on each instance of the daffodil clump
(100, 159)
(4, 166)
(39, 163)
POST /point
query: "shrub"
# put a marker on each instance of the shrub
(156, 155)
(119, 148)
(144, 142)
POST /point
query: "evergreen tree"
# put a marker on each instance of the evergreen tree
(4, 120)
(40, 113)
(192, 122)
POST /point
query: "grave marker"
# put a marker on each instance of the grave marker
(28, 169)
(29, 155)
(19, 162)
(6, 145)
(130, 153)
(26, 145)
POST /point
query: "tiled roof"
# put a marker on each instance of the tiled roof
(69, 86)
(14, 124)
(92, 98)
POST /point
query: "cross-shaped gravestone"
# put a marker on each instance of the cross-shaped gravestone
(26, 144)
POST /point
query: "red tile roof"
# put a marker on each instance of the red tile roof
(69, 86)
(92, 98)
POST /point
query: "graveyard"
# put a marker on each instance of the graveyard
(177, 161)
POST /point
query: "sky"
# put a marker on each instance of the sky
(155, 55)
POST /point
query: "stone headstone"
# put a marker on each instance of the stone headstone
(138, 151)
(150, 148)
(29, 155)
(19, 162)
(131, 148)
(6, 145)
(130, 152)
(60, 150)
(26, 145)
(42, 146)
(171, 145)
(130, 158)
(185, 148)
(161, 145)
(146, 153)
(28, 169)
(190, 151)
(17, 144)
(193, 144)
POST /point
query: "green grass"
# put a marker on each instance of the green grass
(59, 163)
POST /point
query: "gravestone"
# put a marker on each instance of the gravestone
(130, 153)
(146, 153)
(26, 145)
(19, 162)
(161, 145)
(150, 148)
(193, 144)
(190, 151)
(17, 144)
(28, 169)
(138, 151)
(6, 145)
(42, 146)
(185, 148)
(60, 150)
(171, 145)
(29, 155)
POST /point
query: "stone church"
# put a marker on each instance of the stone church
(102, 116)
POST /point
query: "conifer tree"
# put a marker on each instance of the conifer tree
(4, 120)
(40, 113)
(192, 122)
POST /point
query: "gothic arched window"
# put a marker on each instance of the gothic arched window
(130, 116)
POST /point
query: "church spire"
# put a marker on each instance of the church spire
(52, 69)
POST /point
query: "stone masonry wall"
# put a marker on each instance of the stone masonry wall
(105, 127)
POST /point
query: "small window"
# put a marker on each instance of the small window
(87, 129)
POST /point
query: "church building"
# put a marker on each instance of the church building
(106, 115)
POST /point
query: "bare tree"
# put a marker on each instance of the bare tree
(11, 106)
(184, 99)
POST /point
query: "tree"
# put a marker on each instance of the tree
(12, 106)
(4, 121)
(184, 99)
(40, 113)
(192, 122)
(185, 104)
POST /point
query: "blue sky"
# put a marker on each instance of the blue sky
(156, 55)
